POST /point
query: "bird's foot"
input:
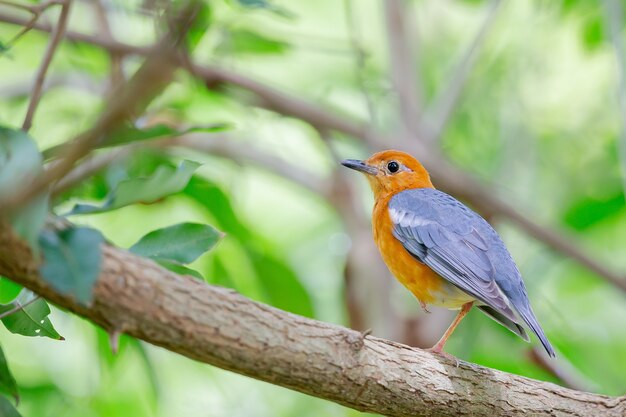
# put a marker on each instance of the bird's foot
(423, 305)
(438, 350)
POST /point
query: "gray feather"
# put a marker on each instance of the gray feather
(463, 248)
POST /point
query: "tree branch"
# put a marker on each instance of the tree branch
(402, 61)
(220, 327)
(613, 13)
(446, 176)
(435, 120)
(360, 58)
(55, 39)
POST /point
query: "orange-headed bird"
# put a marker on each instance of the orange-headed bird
(443, 252)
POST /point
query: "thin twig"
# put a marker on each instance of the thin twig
(53, 43)
(402, 62)
(436, 117)
(360, 61)
(36, 11)
(19, 307)
(613, 17)
(102, 17)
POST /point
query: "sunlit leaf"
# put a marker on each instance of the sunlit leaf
(20, 162)
(199, 25)
(72, 260)
(589, 211)
(7, 382)
(593, 32)
(181, 243)
(31, 320)
(249, 42)
(9, 290)
(7, 409)
(165, 181)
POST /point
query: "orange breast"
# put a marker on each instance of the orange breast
(422, 281)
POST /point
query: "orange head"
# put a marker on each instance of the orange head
(390, 172)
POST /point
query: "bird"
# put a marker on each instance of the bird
(443, 252)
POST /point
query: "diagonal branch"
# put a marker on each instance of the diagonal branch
(360, 58)
(57, 34)
(447, 177)
(220, 327)
(613, 13)
(434, 121)
(402, 62)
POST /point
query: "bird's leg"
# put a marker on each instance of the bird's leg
(438, 347)
(423, 305)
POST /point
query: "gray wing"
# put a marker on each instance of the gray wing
(455, 242)
(463, 248)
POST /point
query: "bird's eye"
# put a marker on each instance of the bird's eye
(393, 167)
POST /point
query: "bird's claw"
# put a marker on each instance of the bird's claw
(446, 355)
(423, 305)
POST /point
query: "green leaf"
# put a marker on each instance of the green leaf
(28, 221)
(7, 409)
(248, 42)
(282, 286)
(166, 180)
(7, 382)
(31, 320)
(72, 260)
(9, 290)
(589, 211)
(181, 243)
(179, 269)
(20, 158)
(199, 25)
(593, 32)
(217, 202)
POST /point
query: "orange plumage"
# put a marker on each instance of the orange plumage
(442, 251)
(417, 277)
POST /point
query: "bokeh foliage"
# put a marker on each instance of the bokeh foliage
(538, 120)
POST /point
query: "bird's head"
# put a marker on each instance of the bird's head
(390, 172)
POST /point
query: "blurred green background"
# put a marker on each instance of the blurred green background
(538, 121)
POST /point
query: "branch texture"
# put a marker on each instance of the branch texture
(220, 327)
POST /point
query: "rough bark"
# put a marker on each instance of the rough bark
(220, 327)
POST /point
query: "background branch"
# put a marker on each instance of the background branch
(401, 39)
(220, 327)
(613, 12)
(53, 43)
(436, 117)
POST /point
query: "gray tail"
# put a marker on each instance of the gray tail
(505, 321)
(526, 313)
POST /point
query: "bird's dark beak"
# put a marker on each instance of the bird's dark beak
(360, 166)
